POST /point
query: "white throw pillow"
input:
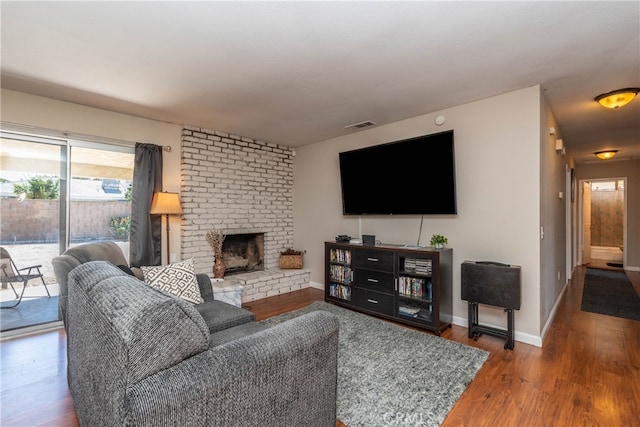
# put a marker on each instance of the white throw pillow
(178, 279)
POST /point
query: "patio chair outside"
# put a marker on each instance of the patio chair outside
(10, 274)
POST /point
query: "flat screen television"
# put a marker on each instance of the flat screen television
(407, 177)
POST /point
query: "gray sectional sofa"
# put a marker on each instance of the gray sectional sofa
(139, 356)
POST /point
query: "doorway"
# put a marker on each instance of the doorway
(603, 222)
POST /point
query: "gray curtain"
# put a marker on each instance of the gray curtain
(146, 230)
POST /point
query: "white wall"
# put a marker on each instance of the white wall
(497, 142)
(25, 109)
(552, 216)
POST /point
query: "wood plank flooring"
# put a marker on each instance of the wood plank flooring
(587, 373)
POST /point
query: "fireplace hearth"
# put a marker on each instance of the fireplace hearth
(243, 252)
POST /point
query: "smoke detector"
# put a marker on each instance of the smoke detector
(361, 125)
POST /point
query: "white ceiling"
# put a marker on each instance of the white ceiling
(295, 73)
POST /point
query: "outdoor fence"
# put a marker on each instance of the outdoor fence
(38, 220)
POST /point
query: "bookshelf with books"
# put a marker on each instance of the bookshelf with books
(405, 284)
(415, 288)
(339, 274)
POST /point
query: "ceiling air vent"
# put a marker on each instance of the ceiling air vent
(361, 125)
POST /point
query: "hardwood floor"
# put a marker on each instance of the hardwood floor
(587, 373)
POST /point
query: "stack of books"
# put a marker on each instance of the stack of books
(340, 291)
(340, 255)
(410, 265)
(341, 274)
(408, 311)
(418, 265)
(423, 266)
(411, 287)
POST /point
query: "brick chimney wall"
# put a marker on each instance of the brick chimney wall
(236, 184)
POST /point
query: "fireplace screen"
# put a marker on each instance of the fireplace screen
(242, 253)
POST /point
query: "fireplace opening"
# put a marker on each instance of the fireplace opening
(243, 253)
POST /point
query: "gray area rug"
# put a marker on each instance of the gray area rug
(391, 375)
(611, 293)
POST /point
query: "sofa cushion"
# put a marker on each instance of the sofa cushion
(178, 279)
(219, 315)
(98, 251)
(154, 330)
(237, 332)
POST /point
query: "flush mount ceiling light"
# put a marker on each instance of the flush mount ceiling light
(617, 98)
(607, 154)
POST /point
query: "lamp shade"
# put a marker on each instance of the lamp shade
(166, 204)
(617, 98)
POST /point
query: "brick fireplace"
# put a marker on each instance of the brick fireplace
(243, 253)
(241, 186)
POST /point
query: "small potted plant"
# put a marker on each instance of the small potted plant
(438, 241)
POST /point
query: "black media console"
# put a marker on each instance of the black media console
(410, 285)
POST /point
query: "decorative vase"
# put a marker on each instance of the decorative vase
(218, 268)
(439, 245)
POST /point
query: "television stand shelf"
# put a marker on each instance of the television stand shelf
(409, 285)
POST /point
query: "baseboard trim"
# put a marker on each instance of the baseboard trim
(554, 310)
(632, 268)
(519, 336)
(316, 285)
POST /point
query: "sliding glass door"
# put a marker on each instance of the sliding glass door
(100, 194)
(56, 193)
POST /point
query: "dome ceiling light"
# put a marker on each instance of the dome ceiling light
(617, 98)
(606, 154)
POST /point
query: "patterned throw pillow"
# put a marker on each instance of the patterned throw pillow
(178, 279)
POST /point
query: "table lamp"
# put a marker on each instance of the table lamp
(165, 203)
